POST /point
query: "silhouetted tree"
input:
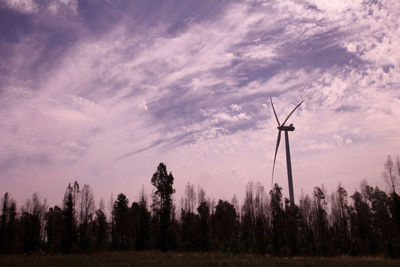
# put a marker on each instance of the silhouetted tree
(87, 209)
(8, 225)
(55, 228)
(204, 213)
(363, 235)
(163, 182)
(100, 229)
(4, 221)
(69, 211)
(292, 227)
(31, 223)
(395, 208)
(391, 173)
(262, 218)
(120, 227)
(142, 241)
(189, 220)
(307, 240)
(225, 224)
(248, 219)
(134, 224)
(155, 221)
(382, 222)
(12, 227)
(277, 219)
(340, 220)
(368, 223)
(320, 221)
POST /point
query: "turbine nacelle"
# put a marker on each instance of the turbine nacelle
(289, 128)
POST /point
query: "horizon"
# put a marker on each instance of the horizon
(101, 92)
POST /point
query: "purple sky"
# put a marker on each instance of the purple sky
(101, 91)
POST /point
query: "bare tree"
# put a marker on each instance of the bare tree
(340, 218)
(398, 168)
(235, 202)
(248, 218)
(391, 173)
(102, 204)
(87, 207)
(320, 220)
(261, 201)
(189, 201)
(39, 209)
(306, 209)
(143, 196)
(111, 207)
(201, 195)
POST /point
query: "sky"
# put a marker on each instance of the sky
(102, 91)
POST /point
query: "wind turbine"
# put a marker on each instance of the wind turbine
(286, 129)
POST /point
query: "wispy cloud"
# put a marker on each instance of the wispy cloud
(100, 89)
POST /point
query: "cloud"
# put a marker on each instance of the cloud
(235, 107)
(24, 6)
(106, 91)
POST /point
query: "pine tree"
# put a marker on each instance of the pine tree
(163, 182)
(120, 227)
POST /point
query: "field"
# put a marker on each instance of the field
(159, 259)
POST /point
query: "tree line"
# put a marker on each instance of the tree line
(366, 222)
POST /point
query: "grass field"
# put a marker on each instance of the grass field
(159, 259)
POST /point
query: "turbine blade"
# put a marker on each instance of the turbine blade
(291, 113)
(276, 152)
(276, 117)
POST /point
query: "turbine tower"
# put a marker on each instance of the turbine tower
(286, 129)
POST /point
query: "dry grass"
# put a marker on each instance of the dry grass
(159, 259)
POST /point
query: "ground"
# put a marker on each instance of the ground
(159, 259)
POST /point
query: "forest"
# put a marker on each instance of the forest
(366, 222)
